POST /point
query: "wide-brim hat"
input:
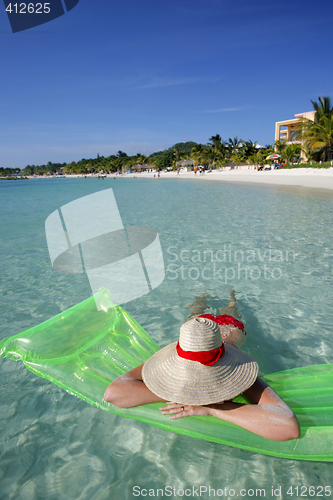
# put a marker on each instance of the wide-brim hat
(175, 378)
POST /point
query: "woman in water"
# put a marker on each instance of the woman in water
(201, 374)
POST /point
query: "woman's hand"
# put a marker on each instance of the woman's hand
(177, 410)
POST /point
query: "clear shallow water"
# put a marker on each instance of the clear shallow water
(273, 246)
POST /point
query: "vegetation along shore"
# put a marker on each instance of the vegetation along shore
(313, 138)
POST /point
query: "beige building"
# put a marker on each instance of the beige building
(285, 130)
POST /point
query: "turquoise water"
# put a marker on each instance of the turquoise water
(272, 246)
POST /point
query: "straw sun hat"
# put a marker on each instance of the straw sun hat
(198, 370)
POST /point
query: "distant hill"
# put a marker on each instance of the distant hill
(183, 147)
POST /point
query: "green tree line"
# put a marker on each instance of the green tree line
(9, 171)
(315, 140)
(214, 154)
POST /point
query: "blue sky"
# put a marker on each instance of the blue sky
(135, 75)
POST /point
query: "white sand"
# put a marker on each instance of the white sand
(305, 177)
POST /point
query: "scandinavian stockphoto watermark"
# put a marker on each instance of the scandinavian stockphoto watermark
(88, 236)
(227, 263)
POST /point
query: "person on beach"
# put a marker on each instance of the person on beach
(201, 374)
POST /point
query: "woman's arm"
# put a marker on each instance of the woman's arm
(268, 415)
(129, 390)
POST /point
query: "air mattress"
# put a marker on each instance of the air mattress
(83, 349)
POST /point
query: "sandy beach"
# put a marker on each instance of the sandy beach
(304, 177)
(311, 178)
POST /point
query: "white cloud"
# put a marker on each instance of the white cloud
(169, 81)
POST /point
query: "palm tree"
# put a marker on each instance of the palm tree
(140, 159)
(220, 160)
(215, 141)
(211, 157)
(234, 145)
(317, 136)
(279, 147)
(177, 154)
(323, 108)
(237, 158)
(291, 152)
(197, 152)
(249, 148)
(307, 153)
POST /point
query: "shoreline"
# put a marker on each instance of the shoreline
(302, 177)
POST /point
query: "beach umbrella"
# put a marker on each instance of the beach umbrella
(273, 157)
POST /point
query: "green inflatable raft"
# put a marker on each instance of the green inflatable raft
(83, 349)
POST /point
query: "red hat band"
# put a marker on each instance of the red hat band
(207, 358)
